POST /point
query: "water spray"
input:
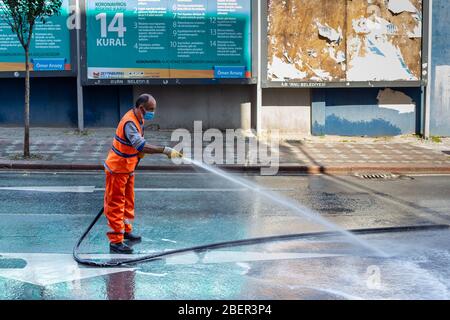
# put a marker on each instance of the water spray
(274, 197)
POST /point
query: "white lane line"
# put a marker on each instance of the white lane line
(217, 257)
(98, 172)
(220, 256)
(42, 172)
(45, 269)
(107, 256)
(40, 151)
(168, 240)
(50, 268)
(151, 274)
(47, 214)
(91, 189)
(60, 189)
(200, 189)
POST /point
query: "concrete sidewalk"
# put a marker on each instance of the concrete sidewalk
(59, 148)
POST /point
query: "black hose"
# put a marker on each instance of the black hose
(227, 244)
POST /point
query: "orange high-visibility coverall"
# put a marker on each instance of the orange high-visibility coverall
(119, 191)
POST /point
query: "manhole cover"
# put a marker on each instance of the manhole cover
(377, 176)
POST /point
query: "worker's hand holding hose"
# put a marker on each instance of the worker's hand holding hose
(172, 153)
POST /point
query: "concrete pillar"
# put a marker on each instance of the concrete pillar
(246, 116)
(287, 111)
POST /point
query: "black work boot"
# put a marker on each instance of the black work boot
(120, 248)
(132, 237)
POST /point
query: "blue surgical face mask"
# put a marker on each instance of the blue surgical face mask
(149, 115)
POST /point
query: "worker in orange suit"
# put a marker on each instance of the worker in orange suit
(129, 146)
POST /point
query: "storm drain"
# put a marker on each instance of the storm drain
(446, 152)
(377, 176)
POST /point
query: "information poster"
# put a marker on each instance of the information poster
(168, 39)
(50, 45)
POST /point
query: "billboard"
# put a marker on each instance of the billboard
(344, 41)
(50, 45)
(168, 39)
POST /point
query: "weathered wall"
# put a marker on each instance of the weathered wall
(287, 110)
(365, 112)
(296, 48)
(219, 107)
(344, 40)
(440, 103)
(384, 40)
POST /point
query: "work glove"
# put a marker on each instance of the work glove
(172, 153)
(141, 155)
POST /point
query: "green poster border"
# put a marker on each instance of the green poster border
(169, 81)
(52, 74)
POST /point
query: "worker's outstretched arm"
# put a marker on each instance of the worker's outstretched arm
(138, 141)
(169, 152)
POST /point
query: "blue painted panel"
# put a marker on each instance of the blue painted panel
(440, 101)
(125, 99)
(356, 112)
(318, 115)
(104, 106)
(52, 102)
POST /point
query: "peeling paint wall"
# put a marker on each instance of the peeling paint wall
(440, 102)
(365, 112)
(344, 40)
(384, 40)
(306, 40)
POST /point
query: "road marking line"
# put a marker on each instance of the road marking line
(40, 151)
(218, 257)
(91, 189)
(74, 189)
(199, 189)
(46, 269)
(151, 274)
(46, 214)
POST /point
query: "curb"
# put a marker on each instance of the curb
(287, 168)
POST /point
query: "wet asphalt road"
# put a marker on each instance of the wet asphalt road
(43, 214)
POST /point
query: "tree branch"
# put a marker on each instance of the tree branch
(21, 16)
(30, 33)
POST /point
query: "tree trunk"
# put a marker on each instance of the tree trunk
(26, 114)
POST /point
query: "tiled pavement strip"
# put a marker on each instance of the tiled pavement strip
(63, 147)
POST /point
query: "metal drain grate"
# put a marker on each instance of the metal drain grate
(377, 176)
